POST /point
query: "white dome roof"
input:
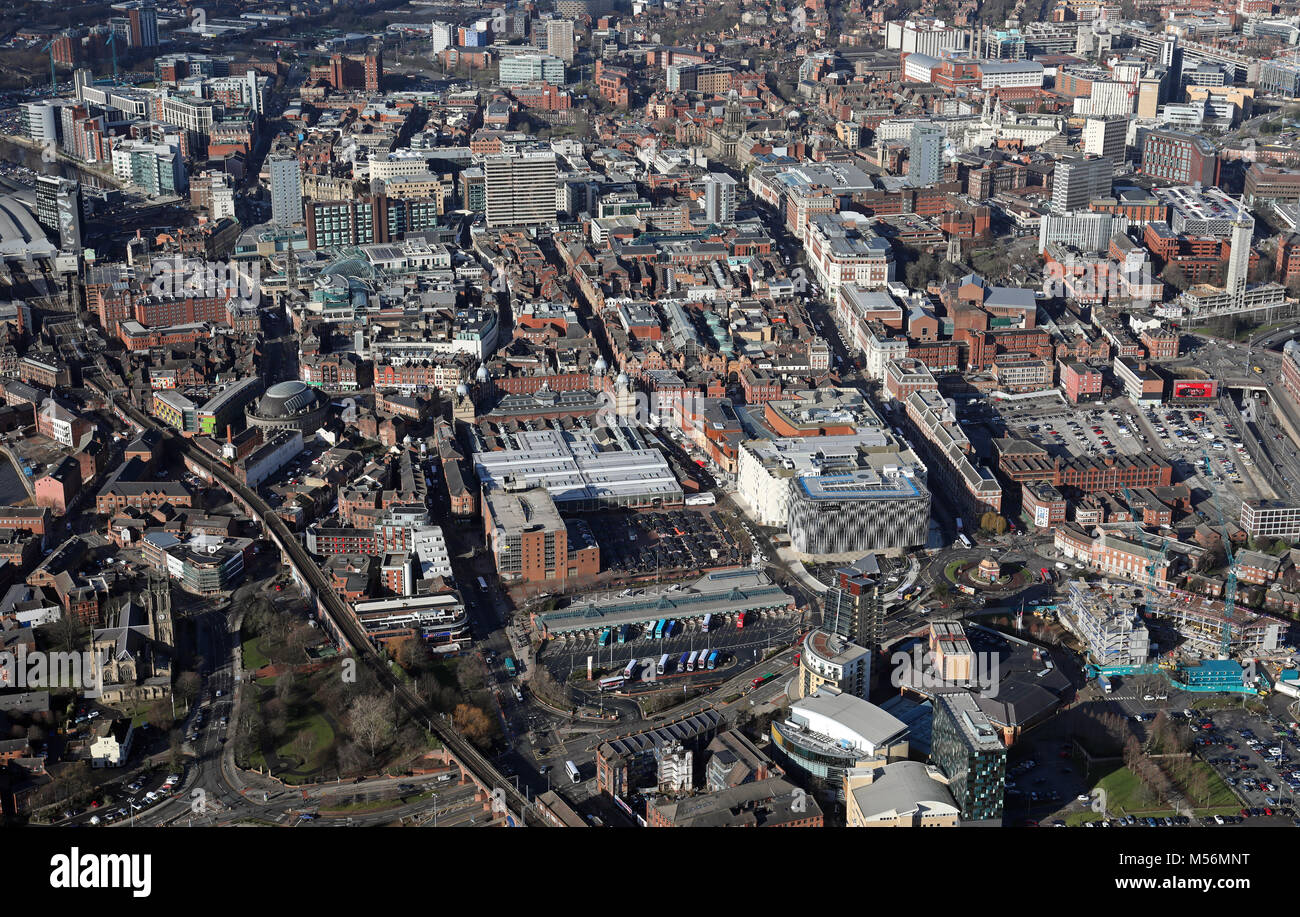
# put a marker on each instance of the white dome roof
(482, 374)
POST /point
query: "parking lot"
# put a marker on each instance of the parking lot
(1258, 757)
(1062, 430)
(668, 542)
(745, 646)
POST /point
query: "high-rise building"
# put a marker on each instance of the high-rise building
(142, 15)
(1105, 137)
(520, 188)
(1179, 158)
(719, 198)
(58, 209)
(559, 39)
(925, 162)
(40, 121)
(971, 755)
(286, 190)
(442, 36)
(829, 659)
(1080, 179)
(1239, 259)
(531, 68)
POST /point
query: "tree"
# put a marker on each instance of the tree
(69, 634)
(472, 723)
(160, 715)
(187, 686)
(284, 688)
(1174, 276)
(922, 271)
(370, 721)
(412, 654)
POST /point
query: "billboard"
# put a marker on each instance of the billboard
(1196, 390)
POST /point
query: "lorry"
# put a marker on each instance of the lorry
(1105, 683)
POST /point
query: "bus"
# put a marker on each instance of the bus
(740, 619)
(630, 670)
(1106, 686)
(965, 542)
(659, 628)
(670, 628)
(663, 664)
(690, 661)
(604, 637)
(1047, 574)
(713, 660)
(612, 682)
(708, 619)
(761, 680)
(622, 634)
(682, 660)
(572, 770)
(510, 666)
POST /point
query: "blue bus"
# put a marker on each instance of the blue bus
(622, 634)
(604, 637)
(682, 660)
(659, 628)
(670, 628)
(713, 660)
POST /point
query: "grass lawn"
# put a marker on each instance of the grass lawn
(950, 571)
(1125, 795)
(1219, 797)
(254, 658)
(309, 720)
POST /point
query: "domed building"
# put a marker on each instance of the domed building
(290, 405)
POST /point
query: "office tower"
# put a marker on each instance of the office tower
(254, 94)
(58, 209)
(719, 198)
(531, 68)
(1105, 137)
(559, 39)
(1171, 58)
(1079, 179)
(854, 609)
(286, 191)
(925, 162)
(1239, 259)
(40, 121)
(520, 188)
(971, 755)
(142, 15)
(442, 35)
(1179, 158)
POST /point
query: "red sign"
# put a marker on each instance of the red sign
(1195, 389)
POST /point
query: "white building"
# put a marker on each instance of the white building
(842, 249)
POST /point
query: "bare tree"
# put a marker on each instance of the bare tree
(370, 721)
(187, 686)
